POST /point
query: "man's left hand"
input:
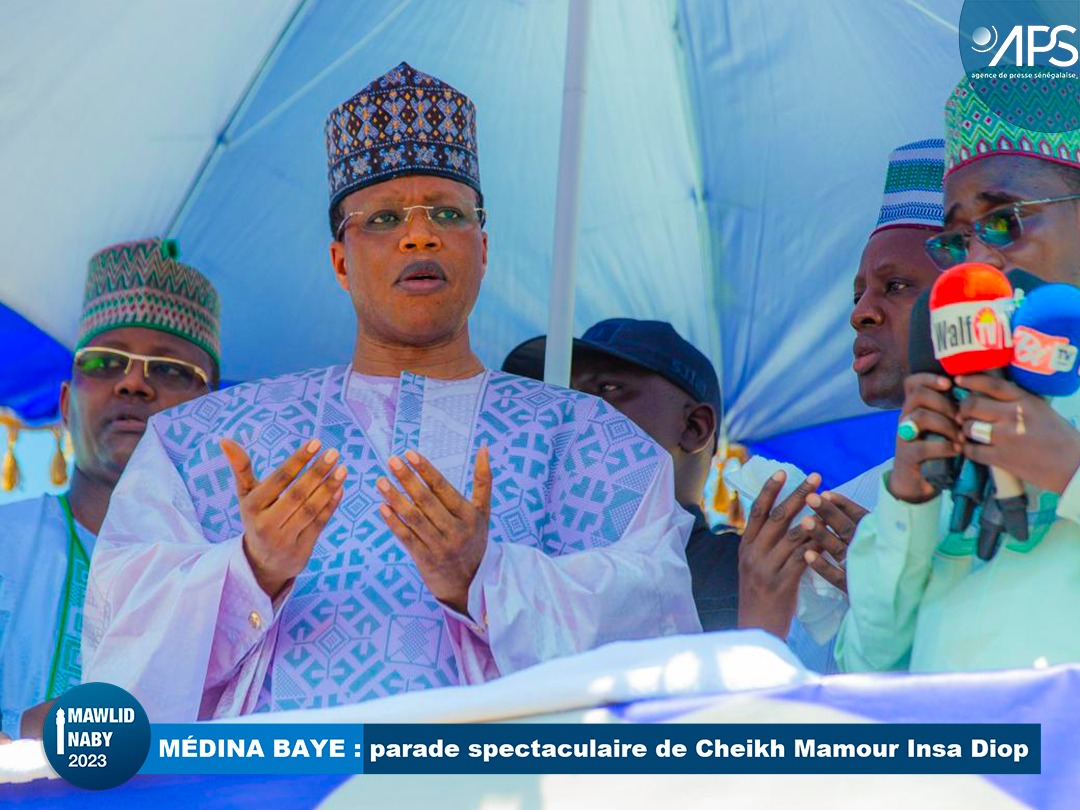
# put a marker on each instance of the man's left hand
(1027, 438)
(771, 557)
(444, 533)
(832, 530)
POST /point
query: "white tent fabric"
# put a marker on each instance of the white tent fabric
(733, 164)
(108, 109)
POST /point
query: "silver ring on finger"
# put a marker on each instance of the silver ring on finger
(981, 432)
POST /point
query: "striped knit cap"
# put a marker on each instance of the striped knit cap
(141, 284)
(913, 187)
(974, 131)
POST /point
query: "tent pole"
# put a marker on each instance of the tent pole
(567, 197)
(224, 136)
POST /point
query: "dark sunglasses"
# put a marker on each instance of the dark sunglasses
(999, 229)
(166, 373)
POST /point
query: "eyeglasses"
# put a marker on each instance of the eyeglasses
(167, 373)
(999, 229)
(390, 220)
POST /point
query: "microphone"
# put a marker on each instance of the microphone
(970, 309)
(966, 479)
(940, 473)
(1046, 338)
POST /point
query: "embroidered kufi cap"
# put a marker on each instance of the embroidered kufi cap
(142, 284)
(974, 131)
(405, 122)
(913, 187)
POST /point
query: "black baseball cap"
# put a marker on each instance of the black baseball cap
(653, 345)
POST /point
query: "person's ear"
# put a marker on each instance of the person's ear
(483, 254)
(337, 259)
(699, 429)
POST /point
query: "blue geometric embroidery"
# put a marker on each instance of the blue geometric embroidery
(409, 409)
(569, 474)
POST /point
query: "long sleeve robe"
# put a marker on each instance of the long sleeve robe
(922, 600)
(586, 545)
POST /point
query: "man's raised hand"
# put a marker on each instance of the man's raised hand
(284, 513)
(445, 533)
(832, 531)
(1028, 438)
(771, 556)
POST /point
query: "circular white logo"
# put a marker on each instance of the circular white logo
(984, 40)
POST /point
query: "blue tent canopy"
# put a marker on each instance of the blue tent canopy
(34, 369)
(734, 156)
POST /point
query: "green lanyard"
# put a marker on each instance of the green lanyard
(77, 559)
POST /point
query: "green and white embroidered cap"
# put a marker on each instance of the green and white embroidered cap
(142, 284)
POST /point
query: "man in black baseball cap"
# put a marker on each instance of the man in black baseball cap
(671, 391)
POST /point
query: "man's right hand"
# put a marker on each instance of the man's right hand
(927, 404)
(283, 514)
(771, 557)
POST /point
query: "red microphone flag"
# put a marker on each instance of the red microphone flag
(970, 307)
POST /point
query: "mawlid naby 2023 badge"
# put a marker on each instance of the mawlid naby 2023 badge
(96, 736)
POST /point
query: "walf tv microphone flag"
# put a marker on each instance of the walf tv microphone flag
(970, 323)
(970, 308)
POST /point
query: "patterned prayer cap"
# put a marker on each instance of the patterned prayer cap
(913, 187)
(974, 131)
(141, 284)
(404, 122)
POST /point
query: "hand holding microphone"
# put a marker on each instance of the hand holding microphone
(929, 406)
(964, 478)
(976, 325)
(970, 309)
(964, 323)
(939, 473)
(1026, 436)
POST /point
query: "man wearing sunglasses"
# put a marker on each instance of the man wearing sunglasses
(453, 524)
(148, 340)
(919, 598)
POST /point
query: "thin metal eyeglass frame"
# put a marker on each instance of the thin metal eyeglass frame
(481, 215)
(132, 357)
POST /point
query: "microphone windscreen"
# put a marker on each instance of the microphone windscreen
(1046, 338)
(969, 318)
(1023, 281)
(921, 357)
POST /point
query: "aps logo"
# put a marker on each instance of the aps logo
(1025, 45)
(1022, 58)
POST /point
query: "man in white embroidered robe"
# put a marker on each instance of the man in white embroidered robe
(439, 523)
(148, 340)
